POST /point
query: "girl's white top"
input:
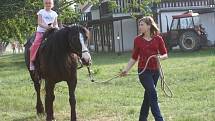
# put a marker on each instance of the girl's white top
(47, 18)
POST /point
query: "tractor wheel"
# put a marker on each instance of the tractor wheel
(189, 41)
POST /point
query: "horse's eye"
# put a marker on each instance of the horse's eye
(85, 38)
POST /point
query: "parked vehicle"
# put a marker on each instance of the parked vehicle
(186, 31)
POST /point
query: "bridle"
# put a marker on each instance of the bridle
(82, 38)
(84, 49)
(80, 60)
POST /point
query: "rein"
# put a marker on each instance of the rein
(80, 61)
(164, 86)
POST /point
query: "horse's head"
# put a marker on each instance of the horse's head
(79, 43)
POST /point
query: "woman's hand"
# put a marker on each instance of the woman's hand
(163, 57)
(131, 62)
(123, 73)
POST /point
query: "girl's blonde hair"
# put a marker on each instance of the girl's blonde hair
(154, 30)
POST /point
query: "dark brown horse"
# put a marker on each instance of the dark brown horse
(57, 61)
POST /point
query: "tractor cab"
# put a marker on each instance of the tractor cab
(187, 32)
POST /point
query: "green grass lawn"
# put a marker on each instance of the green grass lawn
(191, 76)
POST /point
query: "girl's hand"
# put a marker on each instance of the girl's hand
(50, 24)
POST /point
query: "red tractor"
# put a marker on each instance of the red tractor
(186, 31)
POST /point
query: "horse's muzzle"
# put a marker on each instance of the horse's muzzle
(86, 63)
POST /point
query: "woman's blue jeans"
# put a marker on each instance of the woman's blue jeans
(149, 79)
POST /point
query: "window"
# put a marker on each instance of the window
(174, 25)
(186, 23)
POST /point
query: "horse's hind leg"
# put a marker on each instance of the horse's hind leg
(72, 100)
(37, 86)
(49, 98)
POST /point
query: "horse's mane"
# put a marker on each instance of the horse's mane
(58, 47)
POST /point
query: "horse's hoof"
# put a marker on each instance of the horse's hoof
(40, 111)
(50, 119)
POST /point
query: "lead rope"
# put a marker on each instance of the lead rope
(163, 82)
(117, 75)
(106, 81)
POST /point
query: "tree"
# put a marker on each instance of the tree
(18, 17)
(146, 7)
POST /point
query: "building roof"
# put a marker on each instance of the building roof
(185, 15)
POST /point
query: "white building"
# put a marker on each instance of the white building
(114, 30)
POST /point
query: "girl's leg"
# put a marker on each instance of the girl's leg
(34, 48)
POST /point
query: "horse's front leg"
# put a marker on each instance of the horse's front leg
(37, 86)
(49, 99)
(72, 100)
